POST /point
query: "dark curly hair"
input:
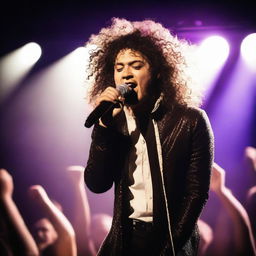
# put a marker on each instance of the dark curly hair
(167, 55)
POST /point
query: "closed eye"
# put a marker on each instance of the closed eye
(137, 67)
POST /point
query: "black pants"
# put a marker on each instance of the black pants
(143, 239)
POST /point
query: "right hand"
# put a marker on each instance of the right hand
(6, 183)
(113, 95)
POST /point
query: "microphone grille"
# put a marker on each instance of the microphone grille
(124, 89)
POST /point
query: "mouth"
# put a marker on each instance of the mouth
(132, 84)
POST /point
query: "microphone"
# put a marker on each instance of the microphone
(105, 106)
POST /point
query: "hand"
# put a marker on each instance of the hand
(217, 183)
(76, 173)
(37, 193)
(6, 183)
(250, 154)
(110, 94)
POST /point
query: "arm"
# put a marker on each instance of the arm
(250, 155)
(20, 237)
(197, 179)
(81, 212)
(105, 151)
(65, 243)
(244, 242)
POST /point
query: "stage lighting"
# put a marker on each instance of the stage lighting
(30, 53)
(248, 50)
(214, 51)
(15, 66)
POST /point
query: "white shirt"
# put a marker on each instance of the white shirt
(141, 189)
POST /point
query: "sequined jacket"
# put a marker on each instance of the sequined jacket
(187, 152)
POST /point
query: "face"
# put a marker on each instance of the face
(132, 67)
(44, 233)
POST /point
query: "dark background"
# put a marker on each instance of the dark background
(59, 27)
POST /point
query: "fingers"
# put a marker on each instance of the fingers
(75, 172)
(37, 192)
(217, 169)
(109, 94)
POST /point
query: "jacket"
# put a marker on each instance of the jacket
(187, 151)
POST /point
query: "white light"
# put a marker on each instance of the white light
(30, 53)
(214, 51)
(211, 56)
(248, 50)
(15, 66)
(80, 51)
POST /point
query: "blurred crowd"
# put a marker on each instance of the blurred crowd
(52, 233)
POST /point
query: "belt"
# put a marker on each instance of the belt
(139, 225)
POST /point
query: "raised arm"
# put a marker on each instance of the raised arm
(244, 242)
(19, 236)
(81, 218)
(65, 243)
(250, 154)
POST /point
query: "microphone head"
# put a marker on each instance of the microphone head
(124, 89)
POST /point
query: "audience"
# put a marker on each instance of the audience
(241, 234)
(83, 234)
(250, 156)
(18, 238)
(52, 234)
(81, 218)
(101, 224)
(56, 234)
(206, 237)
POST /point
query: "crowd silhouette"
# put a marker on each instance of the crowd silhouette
(81, 235)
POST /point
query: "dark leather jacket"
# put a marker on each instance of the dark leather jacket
(187, 151)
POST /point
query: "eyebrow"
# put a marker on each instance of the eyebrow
(130, 63)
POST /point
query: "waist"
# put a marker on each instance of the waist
(139, 225)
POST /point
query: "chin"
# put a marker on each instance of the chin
(132, 99)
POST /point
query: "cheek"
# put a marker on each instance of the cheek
(145, 81)
(117, 77)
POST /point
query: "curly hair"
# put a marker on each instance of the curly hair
(168, 57)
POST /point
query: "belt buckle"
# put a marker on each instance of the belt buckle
(141, 225)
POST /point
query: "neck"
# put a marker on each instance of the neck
(143, 108)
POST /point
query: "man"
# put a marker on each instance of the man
(156, 146)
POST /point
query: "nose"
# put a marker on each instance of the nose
(127, 77)
(127, 74)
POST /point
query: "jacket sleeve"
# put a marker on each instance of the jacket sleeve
(104, 160)
(197, 180)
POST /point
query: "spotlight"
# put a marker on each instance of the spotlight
(214, 51)
(30, 53)
(16, 65)
(248, 50)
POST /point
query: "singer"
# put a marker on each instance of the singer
(155, 146)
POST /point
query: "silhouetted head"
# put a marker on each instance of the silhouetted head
(44, 233)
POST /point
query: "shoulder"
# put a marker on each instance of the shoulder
(189, 113)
